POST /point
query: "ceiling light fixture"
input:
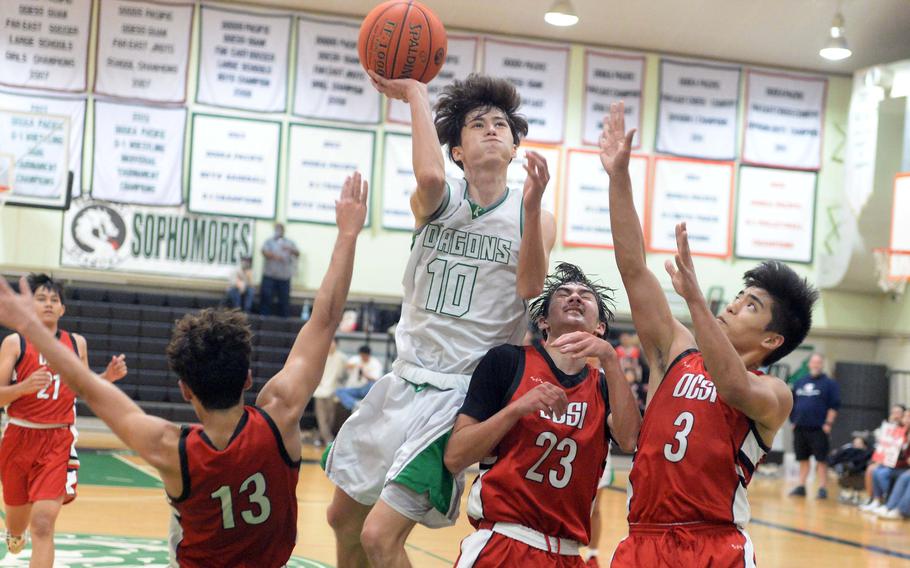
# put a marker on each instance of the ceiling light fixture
(561, 14)
(836, 47)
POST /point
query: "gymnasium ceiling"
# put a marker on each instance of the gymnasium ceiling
(780, 33)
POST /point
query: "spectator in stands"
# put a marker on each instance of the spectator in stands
(893, 464)
(325, 393)
(281, 256)
(240, 286)
(816, 400)
(638, 389)
(886, 438)
(363, 372)
(629, 353)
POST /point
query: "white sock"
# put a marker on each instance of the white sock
(592, 552)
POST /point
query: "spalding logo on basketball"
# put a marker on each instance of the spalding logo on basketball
(402, 39)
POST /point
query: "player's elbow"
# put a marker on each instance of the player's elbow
(454, 460)
(628, 442)
(431, 180)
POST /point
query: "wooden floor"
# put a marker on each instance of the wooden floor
(787, 532)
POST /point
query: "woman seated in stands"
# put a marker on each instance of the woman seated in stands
(893, 443)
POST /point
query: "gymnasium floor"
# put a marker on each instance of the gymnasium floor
(121, 519)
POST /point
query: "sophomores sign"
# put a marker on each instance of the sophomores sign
(697, 111)
(138, 154)
(243, 60)
(143, 50)
(234, 166)
(169, 241)
(44, 45)
(331, 83)
(540, 73)
(784, 118)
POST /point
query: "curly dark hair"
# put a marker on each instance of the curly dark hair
(476, 92)
(791, 310)
(567, 273)
(38, 280)
(210, 352)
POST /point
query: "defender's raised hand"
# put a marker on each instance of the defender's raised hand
(683, 275)
(615, 143)
(537, 180)
(16, 310)
(351, 206)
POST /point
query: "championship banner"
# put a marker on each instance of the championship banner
(243, 60)
(331, 83)
(138, 154)
(461, 61)
(319, 160)
(516, 174)
(165, 241)
(35, 154)
(398, 182)
(74, 108)
(610, 78)
(775, 214)
(541, 75)
(586, 221)
(699, 193)
(784, 120)
(234, 166)
(143, 50)
(862, 142)
(44, 45)
(696, 116)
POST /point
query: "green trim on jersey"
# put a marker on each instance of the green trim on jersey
(325, 455)
(477, 210)
(427, 474)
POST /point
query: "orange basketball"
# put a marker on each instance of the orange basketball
(402, 39)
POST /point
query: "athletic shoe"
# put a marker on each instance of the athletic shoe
(799, 491)
(15, 544)
(592, 563)
(822, 493)
(870, 506)
(891, 515)
(880, 510)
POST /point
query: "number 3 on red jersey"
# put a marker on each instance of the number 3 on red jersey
(686, 420)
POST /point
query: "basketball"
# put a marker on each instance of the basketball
(402, 39)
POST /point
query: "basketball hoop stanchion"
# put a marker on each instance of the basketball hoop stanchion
(893, 270)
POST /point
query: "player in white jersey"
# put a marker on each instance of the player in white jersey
(480, 250)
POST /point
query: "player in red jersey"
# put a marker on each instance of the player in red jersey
(711, 416)
(38, 461)
(233, 479)
(546, 417)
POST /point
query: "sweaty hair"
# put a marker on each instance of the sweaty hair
(566, 273)
(791, 311)
(210, 352)
(41, 280)
(476, 92)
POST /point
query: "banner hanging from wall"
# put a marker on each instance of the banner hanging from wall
(541, 74)
(610, 78)
(44, 45)
(165, 241)
(143, 50)
(784, 120)
(461, 61)
(34, 153)
(74, 108)
(398, 182)
(319, 160)
(775, 214)
(243, 59)
(900, 229)
(862, 142)
(234, 166)
(331, 83)
(696, 115)
(138, 154)
(699, 193)
(586, 221)
(516, 174)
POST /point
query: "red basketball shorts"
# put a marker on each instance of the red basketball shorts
(486, 549)
(718, 545)
(34, 465)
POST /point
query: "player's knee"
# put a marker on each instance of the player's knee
(377, 543)
(42, 525)
(345, 525)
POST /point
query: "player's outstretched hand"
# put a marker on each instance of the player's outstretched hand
(581, 345)
(351, 206)
(16, 310)
(117, 368)
(615, 143)
(400, 89)
(683, 275)
(545, 397)
(38, 380)
(537, 180)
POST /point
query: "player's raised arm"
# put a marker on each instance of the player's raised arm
(153, 438)
(286, 394)
(662, 337)
(429, 164)
(539, 231)
(766, 400)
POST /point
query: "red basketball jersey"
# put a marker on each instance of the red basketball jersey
(239, 504)
(52, 405)
(696, 454)
(546, 470)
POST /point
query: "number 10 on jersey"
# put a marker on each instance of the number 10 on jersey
(451, 287)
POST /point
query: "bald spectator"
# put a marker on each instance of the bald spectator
(816, 400)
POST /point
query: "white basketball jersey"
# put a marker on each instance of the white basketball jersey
(460, 285)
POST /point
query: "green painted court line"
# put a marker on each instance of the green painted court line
(107, 468)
